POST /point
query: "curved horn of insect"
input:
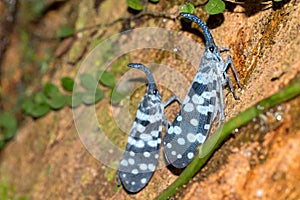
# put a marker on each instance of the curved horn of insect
(144, 69)
(208, 37)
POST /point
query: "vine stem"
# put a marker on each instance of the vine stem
(214, 141)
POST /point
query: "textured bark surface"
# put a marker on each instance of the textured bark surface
(259, 161)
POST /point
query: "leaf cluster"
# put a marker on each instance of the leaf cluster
(51, 98)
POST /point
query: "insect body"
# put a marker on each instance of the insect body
(203, 102)
(140, 158)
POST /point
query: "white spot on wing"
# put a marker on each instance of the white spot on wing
(179, 118)
(135, 171)
(158, 140)
(201, 78)
(169, 145)
(177, 130)
(156, 117)
(145, 137)
(131, 161)
(139, 144)
(171, 130)
(191, 137)
(142, 116)
(143, 166)
(186, 99)
(131, 140)
(140, 128)
(154, 133)
(180, 141)
(147, 154)
(143, 180)
(151, 167)
(213, 93)
(189, 107)
(206, 95)
(200, 138)
(131, 153)
(190, 155)
(206, 126)
(194, 122)
(211, 108)
(124, 163)
(152, 143)
(197, 99)
(202, 109)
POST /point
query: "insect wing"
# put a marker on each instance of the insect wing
(192, 124)
(140, 158)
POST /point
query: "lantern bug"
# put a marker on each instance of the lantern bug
(140, 158)
(203, 102)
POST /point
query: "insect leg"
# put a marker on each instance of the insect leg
(222, 107)
(165, 104)
(229, 61)
(221, 49)
(167, 123)
(227, 80)
(169, 101)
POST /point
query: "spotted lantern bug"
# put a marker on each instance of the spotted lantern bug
(140, 158)
(203, 102)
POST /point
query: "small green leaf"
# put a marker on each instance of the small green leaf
(9, 124)
(65, 31)
(37, 107)
(188, 8)
(107, 79)
(40, 98)
(40, 110)
(51, 90)
(135, 4)
(27, 105)
(88, 98)
(76, 99)
(67, 83)
(92, 97)
(88, 81)
(7, 120)
(154, 1)
(58, 101)
(2, 144)
(214, 7)
(116, 97)
(99, 95)
(69, 100)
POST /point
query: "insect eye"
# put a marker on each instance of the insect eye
(211, 49)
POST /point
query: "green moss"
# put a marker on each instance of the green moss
(110, 172)
(9, 192)
(119, 67)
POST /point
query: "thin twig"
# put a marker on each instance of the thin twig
(103, 25)
(137, 16)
